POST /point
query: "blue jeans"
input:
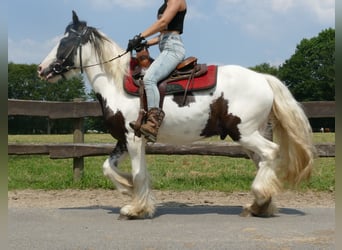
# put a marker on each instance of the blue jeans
(172, 52)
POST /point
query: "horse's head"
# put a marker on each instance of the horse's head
(63, 60)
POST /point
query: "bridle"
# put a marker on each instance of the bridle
(59, 67)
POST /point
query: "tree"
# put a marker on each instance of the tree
(310, 72)
(24, 83)
(266, 68)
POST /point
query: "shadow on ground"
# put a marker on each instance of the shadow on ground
(175, 208)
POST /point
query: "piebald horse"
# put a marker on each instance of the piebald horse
(241, 105)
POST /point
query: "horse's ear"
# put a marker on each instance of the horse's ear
(75, 17)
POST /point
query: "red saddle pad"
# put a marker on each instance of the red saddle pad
(204, 82)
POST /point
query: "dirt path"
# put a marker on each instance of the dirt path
(79, 198)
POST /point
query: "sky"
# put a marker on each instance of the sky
(241, 32)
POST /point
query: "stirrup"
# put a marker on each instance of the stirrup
(135, 125)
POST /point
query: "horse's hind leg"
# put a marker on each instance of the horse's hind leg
(122, 181)
(266, 182)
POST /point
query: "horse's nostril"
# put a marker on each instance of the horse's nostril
(40, 71)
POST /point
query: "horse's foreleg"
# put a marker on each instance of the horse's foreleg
(122, 181)
(266, 183)
(143, 202)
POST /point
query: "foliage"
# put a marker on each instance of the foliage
(266, 68)
(24, 83)
(310, 72)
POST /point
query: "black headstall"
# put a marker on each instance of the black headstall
(67, 49)
(78, 34)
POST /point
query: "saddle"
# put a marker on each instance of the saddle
(186, 78)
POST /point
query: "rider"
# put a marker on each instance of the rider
(170, 25)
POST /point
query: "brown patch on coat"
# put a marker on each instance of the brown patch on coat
(220, 122)
(115, 122)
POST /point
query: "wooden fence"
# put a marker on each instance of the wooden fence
(78, 149)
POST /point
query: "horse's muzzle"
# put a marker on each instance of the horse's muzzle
(46, 73)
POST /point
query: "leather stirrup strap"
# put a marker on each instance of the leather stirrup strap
(142, 111)
(190, 80)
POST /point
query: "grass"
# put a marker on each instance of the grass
(168, 172)
(88, 138)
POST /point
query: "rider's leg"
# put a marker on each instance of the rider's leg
(172, 53)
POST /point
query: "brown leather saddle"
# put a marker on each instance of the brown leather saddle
(180, 82)
(186, 78)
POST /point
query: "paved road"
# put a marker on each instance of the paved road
(194, 227)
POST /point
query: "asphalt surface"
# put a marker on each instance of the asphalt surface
(193, 227)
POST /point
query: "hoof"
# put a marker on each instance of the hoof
(127, 217)
(246, 212)
(265, 210)
(130, 213)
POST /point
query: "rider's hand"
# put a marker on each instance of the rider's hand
(143, 45)
(135, 42)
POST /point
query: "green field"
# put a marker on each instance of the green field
(167, 172)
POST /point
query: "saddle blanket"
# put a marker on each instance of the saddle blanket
(204, 82)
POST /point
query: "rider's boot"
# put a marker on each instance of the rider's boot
(150, 129)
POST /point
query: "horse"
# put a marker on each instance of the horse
(240, 106)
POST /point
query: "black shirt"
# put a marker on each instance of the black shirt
(177, 23)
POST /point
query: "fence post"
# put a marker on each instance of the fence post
(78, 162)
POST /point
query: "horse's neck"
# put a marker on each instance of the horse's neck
(112, 93)
(102, 83)
(107, 77)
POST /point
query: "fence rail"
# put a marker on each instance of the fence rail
(79, 109)
(78, 149)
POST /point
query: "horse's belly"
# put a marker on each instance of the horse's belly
(179, 135)
(183, 125)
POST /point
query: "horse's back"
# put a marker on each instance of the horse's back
(248, 92)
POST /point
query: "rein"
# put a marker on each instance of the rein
(95, 64)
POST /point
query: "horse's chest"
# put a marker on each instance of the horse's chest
(115, 122)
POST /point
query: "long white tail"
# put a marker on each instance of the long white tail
(293, 133)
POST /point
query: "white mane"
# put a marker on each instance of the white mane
(106, 49)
